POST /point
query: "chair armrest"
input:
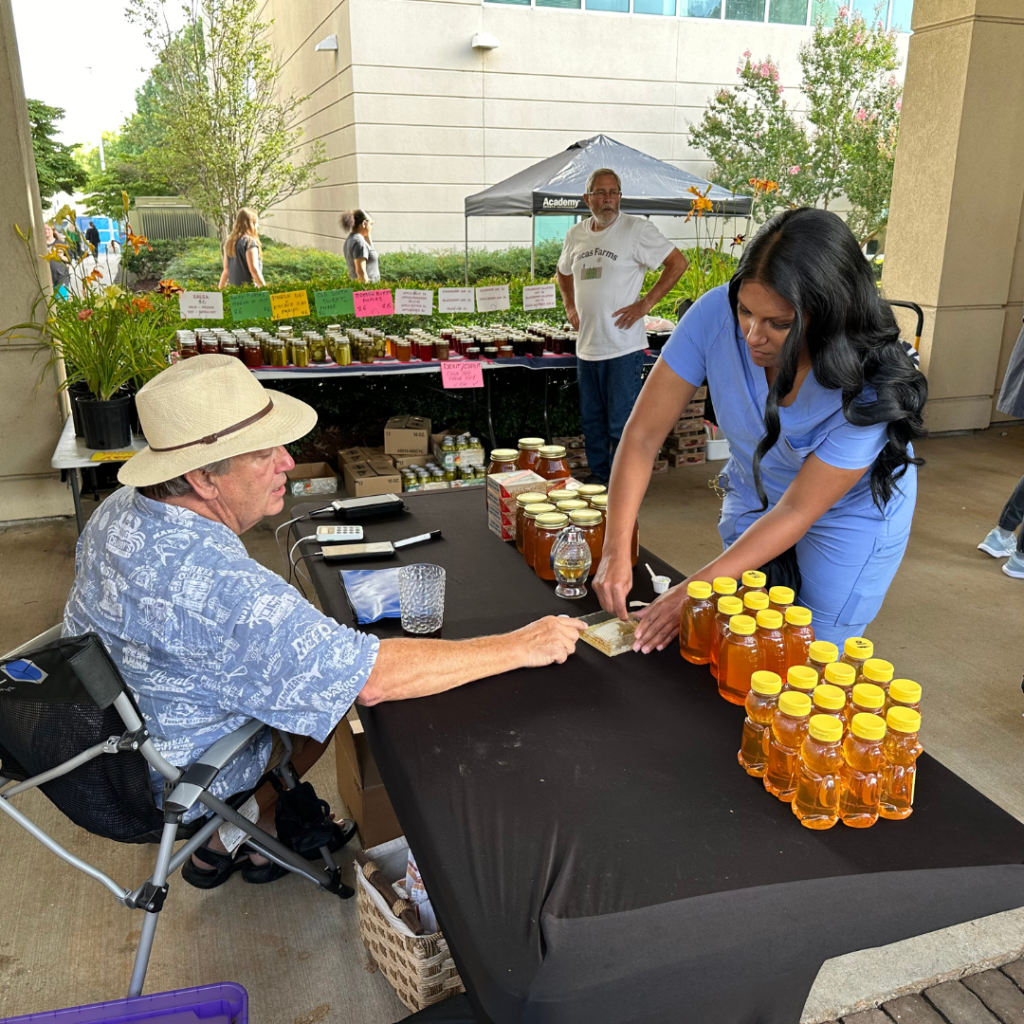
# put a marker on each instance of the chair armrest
(53, 633)
(201, 773)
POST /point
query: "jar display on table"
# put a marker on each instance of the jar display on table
(591, 523)
(251, 354)
(472, 352)
(187, 348)
(208, 345)
(570, 505)
(278, 356)
(547, 527)
(300, 352)
(537, 348)
(441, 351)
(505, 352)
(557, 494)
(490, 352)
(522, 501)
(588, 491)
(403, 351)
(529, 451)
(552, 463)
(530, 513)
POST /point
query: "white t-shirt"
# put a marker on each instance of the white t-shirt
(608, 269)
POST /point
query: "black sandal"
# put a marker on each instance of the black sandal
(222, 867)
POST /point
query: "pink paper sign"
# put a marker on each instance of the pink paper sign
(375, 303)
(462, 374)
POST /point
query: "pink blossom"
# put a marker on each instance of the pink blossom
(765, 71)
(746, 53)
(779, 89)
(899, 104)
(892, 81)
(861, 115)
(775, 76)
(795, 169)
(84, 314)
(757, 135)
(844, 12)
(858, 39)
(739, 70)
(723, 94)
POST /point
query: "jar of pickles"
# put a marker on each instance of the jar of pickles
(591, 524)
(278, 356)
(548, 525)
(552, 463)
(522, 501)
(317, 349)
(530, 513)
(529, 451)
(300, 352)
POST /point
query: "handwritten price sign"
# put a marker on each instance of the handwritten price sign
(455, 300)
(414, 301)
(201, 305)
(337, 302)
(492, 297)
(467, 374)
(250, 305)
(375, 303)
(539, 296)
(288, 304)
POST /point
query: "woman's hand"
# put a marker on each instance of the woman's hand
(613, 582)
(659, 621)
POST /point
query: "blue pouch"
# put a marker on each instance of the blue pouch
(372, 593)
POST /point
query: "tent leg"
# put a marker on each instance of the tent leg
(533, 243)
(467, 251)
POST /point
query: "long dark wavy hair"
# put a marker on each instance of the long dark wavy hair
(812, 260)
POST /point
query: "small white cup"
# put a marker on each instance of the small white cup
(661, 584)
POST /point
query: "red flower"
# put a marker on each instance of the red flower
(84, 314)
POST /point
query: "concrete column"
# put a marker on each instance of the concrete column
(955, 243)
(30, 419)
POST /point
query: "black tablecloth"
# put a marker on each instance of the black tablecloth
(593, 849)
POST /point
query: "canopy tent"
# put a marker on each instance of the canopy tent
(555, 187)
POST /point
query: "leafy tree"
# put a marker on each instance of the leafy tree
(56, 166)
(222, 137)
(126, 171)
(846, 144)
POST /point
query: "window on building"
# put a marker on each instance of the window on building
(666, 7)
(899, 15)
(572, 4)
(824, 11)
(700, 8)
(744, 10)
(622, 6)
(788, 12)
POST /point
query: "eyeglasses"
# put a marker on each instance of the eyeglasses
(606, 193)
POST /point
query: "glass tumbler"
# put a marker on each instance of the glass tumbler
(421, 594)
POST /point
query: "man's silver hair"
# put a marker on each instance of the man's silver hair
(594, 175)
(178, 486)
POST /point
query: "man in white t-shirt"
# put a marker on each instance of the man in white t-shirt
(600, 274)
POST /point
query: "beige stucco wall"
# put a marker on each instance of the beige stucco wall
(955, 242)
(30, 421)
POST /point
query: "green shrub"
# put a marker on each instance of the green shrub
(149, 265)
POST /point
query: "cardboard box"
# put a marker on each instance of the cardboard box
(694, 409)
(502, 491)
(474, 457)
(690, 457)
(312, 478)
(362, 480)
(381, 465)
(660, 466)
(700, 394)
(360, 786)
(406, 461)
(690, 425)
(349, 455)
(407, 435)
(680, 442)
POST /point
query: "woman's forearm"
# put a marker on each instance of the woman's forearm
(631, 475)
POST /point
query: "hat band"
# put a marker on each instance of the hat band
(211, 438)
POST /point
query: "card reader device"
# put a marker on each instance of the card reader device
(378, 549)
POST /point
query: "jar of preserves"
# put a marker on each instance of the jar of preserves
(570, 505)
(537, 351)
(552, 463)
(527, 498)
(208, 345)
(548, 525)
(300, 352)
(251, 354)
(278, 356)
(441, 351)
(529, 451)
(505, 352)
(520, 346)
(591, 523)
(472, 352)
(403, 351)
(503, 460)
(187, 348)
(530, 513)
(558, 344)
(490, 352)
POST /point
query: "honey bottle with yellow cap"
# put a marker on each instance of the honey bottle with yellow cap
(864, 761)
(903, 693)
(781, 598)
(857, 650)
(789, 727)
(754, 601)
(876, 671)
(761, 702)
(724, 586)
(801, 678)
(799, 634)
(727, 607)
(816, 800)
(899, 777)
(772, 640)
(752, 579)
(830, 700)
(697, 623)
(866, 698)
(820, 654)
(841, 675)
(739, 658)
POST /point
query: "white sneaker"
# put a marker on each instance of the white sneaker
(1014, 566)
(999, 543)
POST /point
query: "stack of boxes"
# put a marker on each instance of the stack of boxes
(686, 445)
(504, 488)
(377, 470)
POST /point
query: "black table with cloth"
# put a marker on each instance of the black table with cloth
(591, 846)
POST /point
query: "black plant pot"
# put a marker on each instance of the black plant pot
(106, 425)
(133, 414)
(81, 389)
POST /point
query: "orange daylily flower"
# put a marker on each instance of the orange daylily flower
(58, 253)
(765, 185)
(739, 240)
(137, 241)
(168, 286)
(701, 204)
(142, 304)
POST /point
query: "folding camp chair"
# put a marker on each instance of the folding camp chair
(69, 726)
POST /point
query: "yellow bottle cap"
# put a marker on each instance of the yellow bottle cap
(829, 697)
(698, 590)
(823, 652)
(796, 705)
(906, 691)
(902, 720)
(755, 600)
(769, 618)
(530, 498)
(724, 585)
(825, 728)
(744, 625)
(867, 695)
(765, 683)
(504, 455)
(840, 673)
(730, 606)
(802, 677)
(753, 578)
(531, 442)
(797, 616)
(781, 595)
(878, 671)
(867, 727)
(858, 647)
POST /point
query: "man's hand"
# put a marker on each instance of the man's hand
(551, 639)
(572, 314)
(628, 315)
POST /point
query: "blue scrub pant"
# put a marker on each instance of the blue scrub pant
(847, 561)
(608, 391)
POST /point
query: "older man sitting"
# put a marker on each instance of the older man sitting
(207, 638)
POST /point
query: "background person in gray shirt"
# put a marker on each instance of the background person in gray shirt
(360, 254)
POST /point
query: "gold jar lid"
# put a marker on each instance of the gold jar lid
(538, 509)
(529, 498)
(552, 520)
(504, 455)
(558, 494)
(599, 501)
(531, 442)
(552, 451)
(570, 505)
(585, 517)
(590, 490)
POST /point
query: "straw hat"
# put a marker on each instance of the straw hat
(208, 408)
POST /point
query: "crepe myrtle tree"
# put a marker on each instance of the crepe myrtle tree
(842, 144)
(227, 139)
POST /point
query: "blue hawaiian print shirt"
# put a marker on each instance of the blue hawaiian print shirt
(207, 638)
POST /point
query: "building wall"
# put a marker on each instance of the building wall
(414, 119)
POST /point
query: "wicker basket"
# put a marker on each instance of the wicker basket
(419, 967)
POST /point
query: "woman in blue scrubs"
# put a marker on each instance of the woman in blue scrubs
(820, 405)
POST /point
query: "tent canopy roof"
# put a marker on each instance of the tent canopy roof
(556, 185)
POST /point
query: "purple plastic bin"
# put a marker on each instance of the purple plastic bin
(226, 1003)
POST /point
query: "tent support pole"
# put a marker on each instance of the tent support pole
(533, 243)
(466, 219)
